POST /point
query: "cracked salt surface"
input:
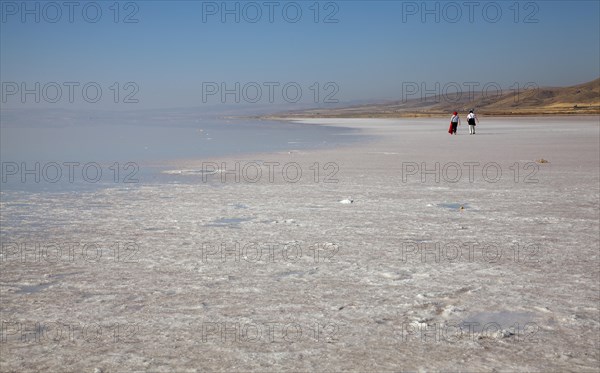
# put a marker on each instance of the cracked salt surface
(351, 272)
(503, 318)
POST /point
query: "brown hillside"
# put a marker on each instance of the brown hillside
(578, 99)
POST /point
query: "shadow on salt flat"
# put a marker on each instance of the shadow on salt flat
(228, 222)
(282, 275)
(288, 274)
(453, 206)
(63, 275)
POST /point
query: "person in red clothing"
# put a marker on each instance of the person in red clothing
(454, 123)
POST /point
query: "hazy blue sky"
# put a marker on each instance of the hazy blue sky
(372, 49)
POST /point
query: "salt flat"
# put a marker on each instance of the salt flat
(474, 253)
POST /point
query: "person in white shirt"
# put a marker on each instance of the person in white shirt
(454, 123)
(472, 119)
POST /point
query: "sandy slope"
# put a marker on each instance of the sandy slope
(363, 296)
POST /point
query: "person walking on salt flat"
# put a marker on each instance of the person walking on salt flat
(472, 119)
(454, 123)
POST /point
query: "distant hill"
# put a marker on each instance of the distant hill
(578, 99)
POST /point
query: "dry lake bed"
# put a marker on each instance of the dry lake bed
(413, 250)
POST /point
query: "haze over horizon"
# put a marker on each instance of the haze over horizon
(182, 54)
